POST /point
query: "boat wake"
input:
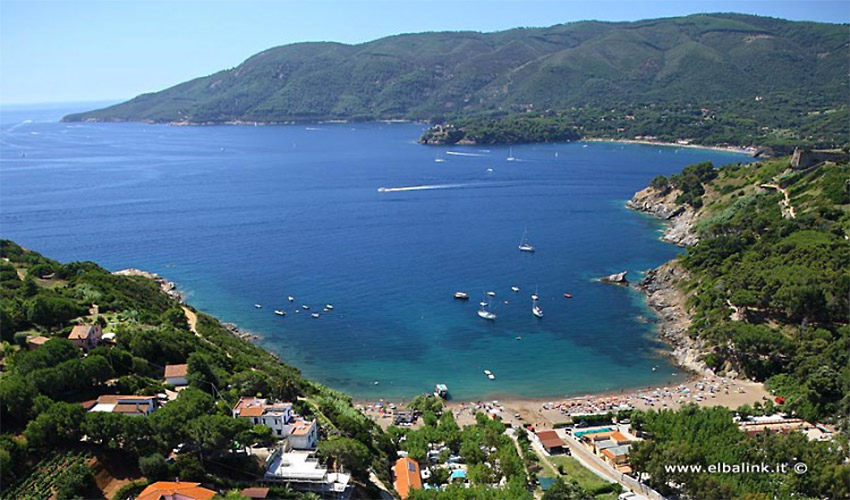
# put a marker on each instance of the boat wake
(458, 153)
(425, 187)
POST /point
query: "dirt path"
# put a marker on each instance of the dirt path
(192, 319)
(788, 210)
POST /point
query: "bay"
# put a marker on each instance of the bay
(242, 215)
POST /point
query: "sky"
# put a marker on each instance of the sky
(112, 50)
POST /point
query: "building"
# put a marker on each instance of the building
(261, 411)
(128, 405)
(407, 477)
(176, 375)
(551, 442)
(302, 471)
(166, 490)
(776, 424)
(86, 336)
(617, 457)
(303, 434)
(36, 342)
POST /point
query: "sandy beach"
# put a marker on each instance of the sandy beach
(705, 391)
(731, 149)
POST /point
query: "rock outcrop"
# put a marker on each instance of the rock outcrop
(617, 278)
(664, 296)
(662, 203)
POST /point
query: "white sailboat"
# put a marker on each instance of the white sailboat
(511, 154)
(484, 313)
(524, 245)
(535, 307)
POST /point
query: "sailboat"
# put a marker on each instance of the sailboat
(524, 245)
(536, 309)
(484, 313)
(511, 154)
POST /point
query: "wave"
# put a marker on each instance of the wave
(458, 153)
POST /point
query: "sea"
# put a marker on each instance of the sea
(385, 230)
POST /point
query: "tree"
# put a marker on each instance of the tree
(16, 397)
(562, 490)
(74, 482)
(351, 455)
(153, 466)
(62, 422)
(216, 432)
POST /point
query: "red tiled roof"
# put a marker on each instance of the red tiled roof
(406, 477)
(176, 370)
(550, 439)
(255, 492)
(254, 411)
(166, 489)
(302, 428)
(81, 332)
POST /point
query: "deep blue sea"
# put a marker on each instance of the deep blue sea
(238, 215)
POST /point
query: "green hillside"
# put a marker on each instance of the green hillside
(716, 61)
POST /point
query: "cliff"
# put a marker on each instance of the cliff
(662, 203)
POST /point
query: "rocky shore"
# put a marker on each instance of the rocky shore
(662, 204)
(661, 285)
(168, 287)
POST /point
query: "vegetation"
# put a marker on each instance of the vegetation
(595, 79)
(41, 389)
(785, 274)
(788, 277)
(696, 436)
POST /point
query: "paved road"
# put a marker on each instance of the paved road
(598, 466)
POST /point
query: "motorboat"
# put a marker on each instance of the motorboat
(279, 312)
(461, 296)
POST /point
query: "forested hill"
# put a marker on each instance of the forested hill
(707, 61)
(768, 281)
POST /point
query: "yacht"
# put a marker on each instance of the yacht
(511, 154)
(485, 314)
(329, 307)
(491, 294)
(305, 307)
(258, 306)
(291, 298)
(514, 289)
(536, 309)
(524, 245)
(461, 296)
(487, 372)
(279, 312)
(441, 391)
(491, 377)
(315, 315)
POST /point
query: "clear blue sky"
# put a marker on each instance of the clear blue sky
(79, 50)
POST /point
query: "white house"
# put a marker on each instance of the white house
(260, 411)
(176, 375)
(304, 435)
(128, 405)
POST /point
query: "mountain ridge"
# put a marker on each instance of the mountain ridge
(430, 76)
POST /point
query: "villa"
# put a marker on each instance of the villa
(302, 434)
(86, 336)
(407, 477)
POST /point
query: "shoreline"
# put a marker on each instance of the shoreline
(749, 150)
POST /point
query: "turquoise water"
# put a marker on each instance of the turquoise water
(245, 215)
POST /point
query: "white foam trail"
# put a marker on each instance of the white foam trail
(458, 153)
(420, 188)
(17, 126)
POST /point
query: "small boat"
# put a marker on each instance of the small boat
(489, 169)
(305, 307)
(439, 160)
(511, 154)
(461, 296)
(491, 293)
(491, 377)
(441, 391)
(518, 337)
(536, 310)
(258, 306)
(325, 310)
(297, 311)
(279, 312)
(329, 307)
(524, 245)
(568, 295)
(487, 372)
(291, 298)
(514, 289)
(485, 314)
(315, 315)
(534, 296)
